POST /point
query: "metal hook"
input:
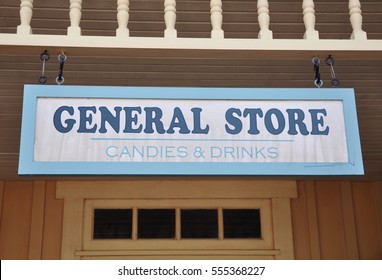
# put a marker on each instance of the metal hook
(330, 62)
(44, 57)
(316, 60)
(317, 78)
(60, 80)
(61, 58)
(318, 83)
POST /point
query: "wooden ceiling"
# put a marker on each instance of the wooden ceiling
(193, 21)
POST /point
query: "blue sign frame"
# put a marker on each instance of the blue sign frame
(27, 165)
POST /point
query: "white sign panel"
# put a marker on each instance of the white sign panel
(133, 130)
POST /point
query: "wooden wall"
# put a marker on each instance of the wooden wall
(31, 220)
(331, 220)
(337, 220)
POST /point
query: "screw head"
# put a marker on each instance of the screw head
(335, 83)
(329, 60)
(44, 56)
(42, 80)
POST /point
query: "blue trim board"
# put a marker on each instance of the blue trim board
(187, 93)
(27, 166)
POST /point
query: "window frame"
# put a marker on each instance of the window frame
(278, 193)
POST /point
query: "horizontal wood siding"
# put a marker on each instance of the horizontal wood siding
(330, 220)
(282, 69)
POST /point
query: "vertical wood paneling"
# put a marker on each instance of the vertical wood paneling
(301, 237)
(52, 234)
(16, 220)
(330, 220)
(377, 193)
(366, 218)
(1, 199)
(349, 221)
(312, 220)
(344, 220)
(37, 220)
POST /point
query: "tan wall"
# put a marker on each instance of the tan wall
(331, 220)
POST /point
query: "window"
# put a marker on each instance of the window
(161, 223)
(156, 223)
(112, 223)
(170, 225)
(199, 223)
(242, 223)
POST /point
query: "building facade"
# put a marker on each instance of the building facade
(185, 43)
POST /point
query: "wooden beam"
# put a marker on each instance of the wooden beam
(72, 229)
(13, 44)
(178, 188)
(282, 228)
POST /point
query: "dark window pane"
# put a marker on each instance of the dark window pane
(156, 223)
(200, 223)
(112, 223)
(242, 223)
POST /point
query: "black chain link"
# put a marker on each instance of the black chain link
(60, 78)
(317, 76)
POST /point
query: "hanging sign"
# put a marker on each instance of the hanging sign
(151, 130)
